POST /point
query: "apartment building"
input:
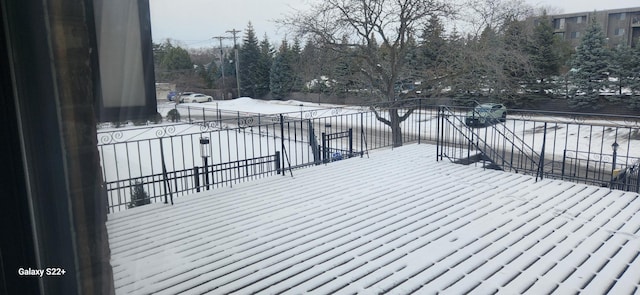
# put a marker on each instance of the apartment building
(620, 25)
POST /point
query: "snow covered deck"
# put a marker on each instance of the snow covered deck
(398, 222)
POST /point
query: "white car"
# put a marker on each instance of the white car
(195, 97)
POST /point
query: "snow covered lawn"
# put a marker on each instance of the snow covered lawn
(397, 222)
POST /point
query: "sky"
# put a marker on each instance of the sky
(193, 23)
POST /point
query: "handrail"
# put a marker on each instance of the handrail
(490, 152)
(452, 114)
(514, 136)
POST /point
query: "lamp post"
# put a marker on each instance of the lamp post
(204, 152)
(301, 105)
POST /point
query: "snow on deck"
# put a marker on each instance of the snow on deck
(398, 222)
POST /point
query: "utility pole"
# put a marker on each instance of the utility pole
(234, 32)
(224, 88)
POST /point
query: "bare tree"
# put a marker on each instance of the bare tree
(379, 34)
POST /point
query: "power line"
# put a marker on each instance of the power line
(220, 38)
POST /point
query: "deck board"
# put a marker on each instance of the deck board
(397, 222)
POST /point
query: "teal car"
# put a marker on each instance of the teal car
(485, 114)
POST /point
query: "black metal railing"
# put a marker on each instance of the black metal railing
(338, 146)
(576, 147)
(136, 152)
(500, 146)
(600, 169)
(627, 179)
(162, 187)
(532, 142)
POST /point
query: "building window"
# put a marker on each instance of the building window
(575, 35)
(579, 19)
(619, 32)
(623, 16)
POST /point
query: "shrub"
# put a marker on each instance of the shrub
(118, 124)
(173, 115)
(156, 119)
(140, 122)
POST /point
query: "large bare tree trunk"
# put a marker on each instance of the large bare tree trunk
(396, 130)
(394, 121)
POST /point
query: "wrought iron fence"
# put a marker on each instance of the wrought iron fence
(142, 153)
(163, 187)
(577, 147)
(546, 144)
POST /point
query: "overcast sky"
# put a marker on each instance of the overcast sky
(194, 22)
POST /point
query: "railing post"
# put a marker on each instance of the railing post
(638, 180)
(350, 142)
(282, 142)
(167, 187)
(277, 162)
(541, 162)
(419, 119)
(189, 112)
(361, 135)
(204, 116)
(324, 147)
(438, 133)
(564, 161)
(196, 175)
(206, 172)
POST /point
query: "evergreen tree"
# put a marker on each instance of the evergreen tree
(282, 78)
(249, 55)
(310, 65)
(430, 61)
(516, 65)
(464, 64)
(622, 67)
(589, 68)
(295, 52)
(171, 63)
(432, 43)
(264, 67)
(176, 58)
(544, 55)
(635, 78)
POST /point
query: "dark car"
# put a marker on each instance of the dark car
(171, 95)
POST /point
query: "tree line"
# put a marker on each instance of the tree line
(385, 51)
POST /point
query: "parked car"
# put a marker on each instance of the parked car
(486, 113)
(195, 97)
(182, 95)
(171, 95)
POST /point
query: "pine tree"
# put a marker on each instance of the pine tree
(590, 68)
(282, 77)
(176, 58)
(635, 78)
(516, 65)
(432, 43)
(623, 64)
(544, 55)
(249, 66)
(295, 52)
(264, 67)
